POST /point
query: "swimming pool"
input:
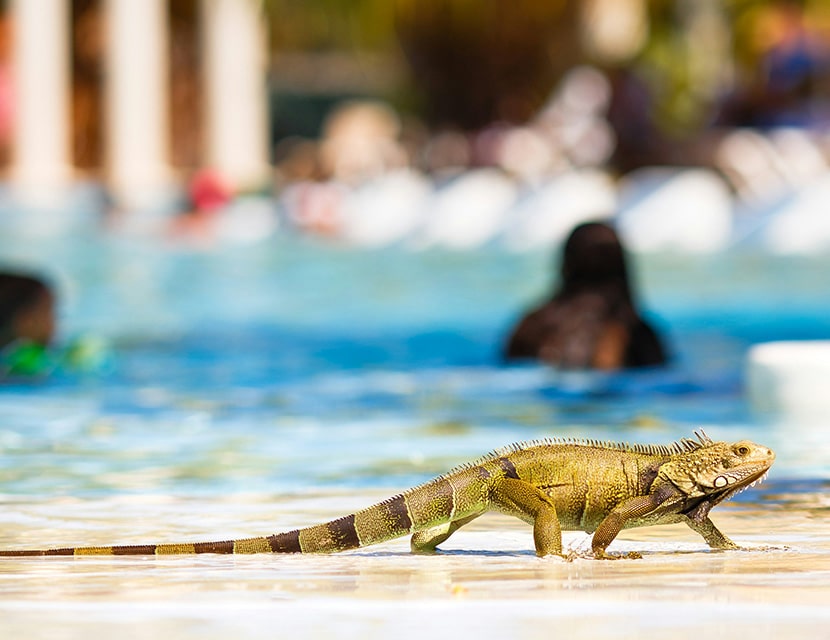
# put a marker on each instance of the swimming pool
(304, 376)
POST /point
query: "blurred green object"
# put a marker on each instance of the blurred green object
(87, 354)
(24, 358)
(27, 359)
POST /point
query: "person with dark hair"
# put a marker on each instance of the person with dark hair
(27, 325)
(591, 322)
(27, 310)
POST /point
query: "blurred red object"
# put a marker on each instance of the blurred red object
(208, 191)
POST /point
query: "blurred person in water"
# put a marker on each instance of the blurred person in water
(27, 310)
(27, 323)
(591, 322)
(28, 326)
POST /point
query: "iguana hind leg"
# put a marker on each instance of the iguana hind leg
(522, 499)
(424, 542)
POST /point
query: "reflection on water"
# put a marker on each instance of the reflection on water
(250, 392)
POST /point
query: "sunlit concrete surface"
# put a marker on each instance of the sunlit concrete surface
(486, 583)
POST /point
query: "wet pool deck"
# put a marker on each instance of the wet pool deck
(487, 583)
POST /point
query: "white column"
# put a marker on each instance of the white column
(235, 85)
(40, 166)
(137, 100)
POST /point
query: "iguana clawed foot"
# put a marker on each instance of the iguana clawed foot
(574, 554)
(631, 555)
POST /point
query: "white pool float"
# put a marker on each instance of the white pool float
(800, 225)
(790, 378)
(669, 210)
(546, 217)
(469, 211)
(386, 209)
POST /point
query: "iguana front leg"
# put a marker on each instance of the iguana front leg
(526, 501)
(614, 522)
(711, 534)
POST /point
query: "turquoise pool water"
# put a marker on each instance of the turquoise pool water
(276, 385)
(295, 364)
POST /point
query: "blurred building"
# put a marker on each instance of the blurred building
(133, 93)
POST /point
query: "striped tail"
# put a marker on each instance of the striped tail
(433, 503)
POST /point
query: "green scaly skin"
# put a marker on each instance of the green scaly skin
(554, 485)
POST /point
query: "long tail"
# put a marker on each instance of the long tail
(414, 510)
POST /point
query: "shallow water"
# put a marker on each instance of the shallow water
(242, 392)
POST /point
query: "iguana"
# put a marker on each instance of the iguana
(553, 484)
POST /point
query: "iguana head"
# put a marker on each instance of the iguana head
(718, 470)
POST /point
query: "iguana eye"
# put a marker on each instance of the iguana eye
(742, 450)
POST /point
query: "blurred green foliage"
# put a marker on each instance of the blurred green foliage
(325, 25)
(474, 61)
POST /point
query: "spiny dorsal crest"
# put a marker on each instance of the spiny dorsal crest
(684, 445)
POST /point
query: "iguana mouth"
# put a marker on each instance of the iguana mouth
(701, 507)
(735, 490)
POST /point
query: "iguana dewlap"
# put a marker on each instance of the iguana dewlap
(554, 485)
